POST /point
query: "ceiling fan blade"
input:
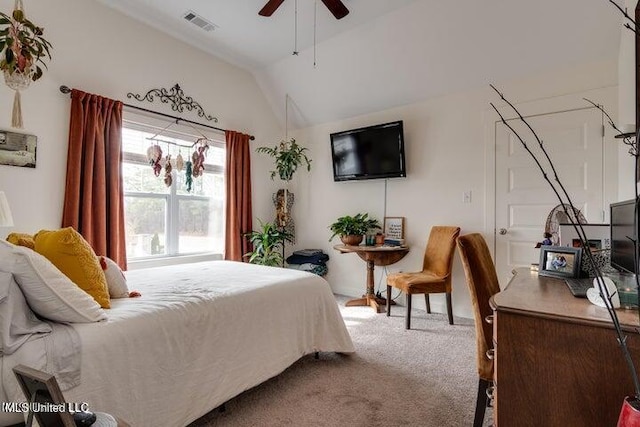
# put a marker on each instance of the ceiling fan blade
(270, 7)
(336, 7)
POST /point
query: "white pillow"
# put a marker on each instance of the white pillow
(48, 292)
(17, 321)
(6, 256)
(116, 282)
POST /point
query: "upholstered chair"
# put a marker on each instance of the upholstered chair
(482, 280)
(435, 276)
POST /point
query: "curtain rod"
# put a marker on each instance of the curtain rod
(67, 89)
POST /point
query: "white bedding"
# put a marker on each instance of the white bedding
(199, 335)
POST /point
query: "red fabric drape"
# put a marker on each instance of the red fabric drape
(239, 217)
(94, 196)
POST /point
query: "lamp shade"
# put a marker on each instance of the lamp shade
(6, 220)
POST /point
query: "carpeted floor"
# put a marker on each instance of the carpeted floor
(422, 377)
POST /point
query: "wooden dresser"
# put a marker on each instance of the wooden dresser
(557, 360)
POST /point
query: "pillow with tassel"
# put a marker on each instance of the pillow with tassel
(72, 254)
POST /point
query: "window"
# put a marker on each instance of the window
(166, 220)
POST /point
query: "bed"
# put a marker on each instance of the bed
(199, 335)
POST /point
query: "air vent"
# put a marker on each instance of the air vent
(198, 20)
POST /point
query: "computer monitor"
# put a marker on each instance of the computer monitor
(624, 230)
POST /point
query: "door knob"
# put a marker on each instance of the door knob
(503, 231)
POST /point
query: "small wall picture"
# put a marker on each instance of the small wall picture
(560, 261)
(18, 149)
(598, 236)
(592, 244)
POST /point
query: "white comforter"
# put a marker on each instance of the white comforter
(199, 335)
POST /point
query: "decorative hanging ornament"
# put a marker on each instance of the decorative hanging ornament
(198, 158)
(167, 171)
(154, 156)
(22, 47)
(179, 162)
(188, 175)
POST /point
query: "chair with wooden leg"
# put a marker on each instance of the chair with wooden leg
(482, 280)
(435, 276)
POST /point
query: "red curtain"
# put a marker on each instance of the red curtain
(239, 217)
(94, 196)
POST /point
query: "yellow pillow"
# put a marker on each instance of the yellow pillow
(72, 254)
(22, 239)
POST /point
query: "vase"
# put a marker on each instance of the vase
(352, 239)
(630, 413)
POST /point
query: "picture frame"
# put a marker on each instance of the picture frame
(560, 261)
(393, 227)
(598, 235)
(42, 388)
(18, 149)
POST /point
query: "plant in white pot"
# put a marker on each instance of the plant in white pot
(22, 50)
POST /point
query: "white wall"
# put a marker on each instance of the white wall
(98, 50)
(626, 99)
(447, 154)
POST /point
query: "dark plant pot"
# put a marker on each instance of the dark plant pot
(286, 177)
(630, 413)
(352, 239)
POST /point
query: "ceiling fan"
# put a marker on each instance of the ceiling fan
(336, 7)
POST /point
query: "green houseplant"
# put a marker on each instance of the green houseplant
(267, 243)
(288, 155)
(22, 45)
(22, 49)
(352, 228)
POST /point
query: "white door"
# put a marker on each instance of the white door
(574, 140)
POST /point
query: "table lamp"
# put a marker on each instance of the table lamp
(6, 220)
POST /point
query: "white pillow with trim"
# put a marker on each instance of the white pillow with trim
(116, 281)
(48, 291)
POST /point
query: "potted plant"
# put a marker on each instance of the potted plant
(23, 46)
(267, 244)
(22, 49)
(289, 155)
(352, 228)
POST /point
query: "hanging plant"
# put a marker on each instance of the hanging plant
(289, 155)
(22, 50)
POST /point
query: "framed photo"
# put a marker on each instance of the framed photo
(18, 149)
(393, 227)
(560, 261)
(42, 388)
(598, 236)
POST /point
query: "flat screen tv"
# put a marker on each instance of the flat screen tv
(369, 153)
(623, 230)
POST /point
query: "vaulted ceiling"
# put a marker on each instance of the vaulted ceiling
(387, 53)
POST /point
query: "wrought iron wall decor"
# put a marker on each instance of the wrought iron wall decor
(176, 97)
(67, 90)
